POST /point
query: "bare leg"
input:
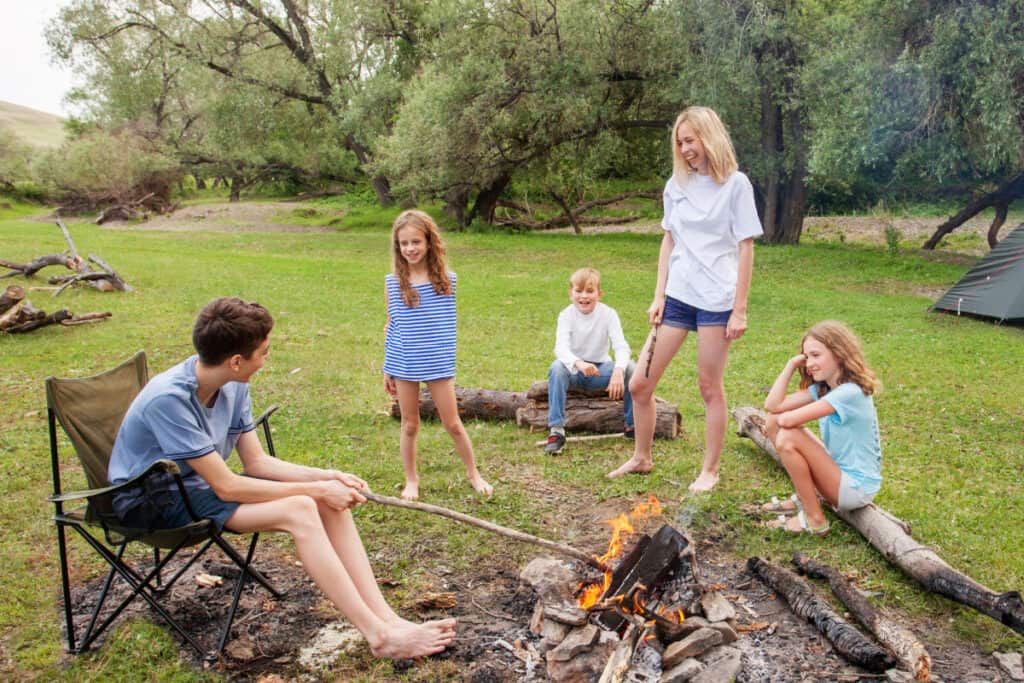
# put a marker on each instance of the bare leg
(642, 387)
(443, 393)
(298, 516)
(409, 404)
(712, 354)
(811, 469)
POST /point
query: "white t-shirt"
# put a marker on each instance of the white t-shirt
(707, 222)
(586, 337)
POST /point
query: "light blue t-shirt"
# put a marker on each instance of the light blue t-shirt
(166, 420)
(851, 434)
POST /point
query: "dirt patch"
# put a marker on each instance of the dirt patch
(236, 217)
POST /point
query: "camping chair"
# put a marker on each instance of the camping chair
(90, 411)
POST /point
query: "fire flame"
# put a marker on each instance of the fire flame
(591, 593)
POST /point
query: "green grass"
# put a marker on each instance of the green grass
(950, 411)
(36, 128)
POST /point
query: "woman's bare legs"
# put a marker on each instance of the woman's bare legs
(443, 393)
(409, 405)
(346, 584)
(712, 354)
(809, 466)
(642, 387)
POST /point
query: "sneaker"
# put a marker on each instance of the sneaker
(629, 433)
(555, 443)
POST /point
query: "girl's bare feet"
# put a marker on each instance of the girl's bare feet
(480, 485)
(634, 465)
(405, 640)
(704, 483)
(411, 490)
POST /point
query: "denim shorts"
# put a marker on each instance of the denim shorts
(687, 317)
(166, 510)
(852, 496)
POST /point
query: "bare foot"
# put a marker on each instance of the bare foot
(411, 490)
(634, 465)
(480, 485)
(704, 483)
(405, 640)
(445, 625)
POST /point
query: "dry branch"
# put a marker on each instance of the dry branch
(488, 526)
(891, 537)
(848, 641)
(11, 296)
(35, 265)
(900, 641)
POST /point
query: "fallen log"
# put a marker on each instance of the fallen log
(848, 641)
(474, 404)
(488, 526)
(891, 537)
(601, 415)
(51, 319)
(899, 640)
(79, 266)
(35, 265)
(12, 295)
(85, 318)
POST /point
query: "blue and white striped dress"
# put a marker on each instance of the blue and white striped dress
(420, 342)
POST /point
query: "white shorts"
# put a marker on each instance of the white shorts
(852, 496)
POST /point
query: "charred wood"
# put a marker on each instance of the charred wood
(848, 641)
(899, 640)
(891, 537)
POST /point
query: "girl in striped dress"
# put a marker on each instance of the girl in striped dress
(419, 342)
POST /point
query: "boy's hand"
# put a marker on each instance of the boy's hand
(350, 480)
(615, 385)
(588, 369)
(339, 496)
(389, 386)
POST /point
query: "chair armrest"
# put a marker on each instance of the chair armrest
(267, 413)
(162, 466)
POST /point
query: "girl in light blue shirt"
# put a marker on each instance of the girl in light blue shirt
(844, 466)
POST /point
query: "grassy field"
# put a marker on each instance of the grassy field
(950, 413)
(36, 128)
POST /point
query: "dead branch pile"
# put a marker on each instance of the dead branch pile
(571, 215)
(17, 314)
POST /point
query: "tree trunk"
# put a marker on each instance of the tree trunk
(455, 202)
(891, 537)
(848, 641)
(380, 184)
(236, 188)
(487, 200)
(200, 182)
(1001, 198)
(900, 641)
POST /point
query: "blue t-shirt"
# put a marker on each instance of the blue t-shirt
(166, 420)
(851, 434)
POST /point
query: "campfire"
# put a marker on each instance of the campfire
(645, 618)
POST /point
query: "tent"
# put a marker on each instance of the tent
(994, 288)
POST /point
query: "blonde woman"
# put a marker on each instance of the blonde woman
(845, 466)
(704, 271)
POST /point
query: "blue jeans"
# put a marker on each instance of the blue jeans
(560, 380)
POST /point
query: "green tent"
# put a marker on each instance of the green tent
(994, 288)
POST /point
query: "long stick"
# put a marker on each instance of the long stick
(494, 528)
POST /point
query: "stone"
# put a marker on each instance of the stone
(553, 580)
(716, 607)
(554, 632)
(577, 641)
(727, 631)
(537, 618)
(566, 613)
(697, 643)
(721, 665)
(675, 632)
(1012, 664)
(899, 676)
(682, 672)
(584, 668)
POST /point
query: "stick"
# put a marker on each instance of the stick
(115, 279)
(848, 641)
(904, 644)
(85, 318)
(494, 528)
(891, 537)
(591, 437)
(67, 238)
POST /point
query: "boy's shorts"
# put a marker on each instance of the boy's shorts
(852, 496)
(687, 317)
(166, 510)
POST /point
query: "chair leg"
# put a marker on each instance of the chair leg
(195, 556)
(86, 635)
(250, 570)
(65, 584)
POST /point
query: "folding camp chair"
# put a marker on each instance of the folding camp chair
(90, 411)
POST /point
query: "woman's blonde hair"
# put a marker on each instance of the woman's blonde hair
(437, 267)
(848, 352)
(717, 145)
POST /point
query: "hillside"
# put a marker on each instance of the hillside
(34, 127)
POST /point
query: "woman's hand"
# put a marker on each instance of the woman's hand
(737, 325)
(389, 386)
(656, 310)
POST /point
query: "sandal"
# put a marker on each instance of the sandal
(782, 523)
(781, 507)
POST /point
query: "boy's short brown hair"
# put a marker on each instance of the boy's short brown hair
(585, 276)
(228, 326)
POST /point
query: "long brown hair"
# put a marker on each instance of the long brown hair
(848, 352)
(437, 267)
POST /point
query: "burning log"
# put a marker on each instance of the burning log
(891, 537)
(848, 641)
(488, 526)
(904, 644)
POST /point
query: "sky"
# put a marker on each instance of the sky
(27, 76)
